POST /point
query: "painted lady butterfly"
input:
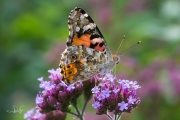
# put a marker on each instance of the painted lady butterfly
(87, 53)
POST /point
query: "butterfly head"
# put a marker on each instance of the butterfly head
(116, 59)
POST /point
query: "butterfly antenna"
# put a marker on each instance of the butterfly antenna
(130, 47)
(114, 71)
(120, 44)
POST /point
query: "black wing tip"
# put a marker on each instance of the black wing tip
(80, 9)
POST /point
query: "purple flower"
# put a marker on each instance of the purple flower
(44, 84)
(96, 105)
(123, 106)
(38, 100)
(56, 95)
(131, 100)
(55, 74)
(116, 91)
(109, 77)
(109, 95)
(62, 84)
(40, 79)
(29, 113)
(34, 114)
(116, 98)
(101, 97)
(95, 89)
(70, 87)
(106, 93)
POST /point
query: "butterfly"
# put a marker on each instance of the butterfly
(86, 53)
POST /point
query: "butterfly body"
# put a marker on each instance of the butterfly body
(86, 53)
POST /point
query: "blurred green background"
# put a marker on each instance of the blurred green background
(33, 35)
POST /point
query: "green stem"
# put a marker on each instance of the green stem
(115, 117)
(80, 116)
(107, 114)
(72, 113)
(84, 107)
(119, 116)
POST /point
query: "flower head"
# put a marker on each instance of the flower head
(56, 95)
(115, 95)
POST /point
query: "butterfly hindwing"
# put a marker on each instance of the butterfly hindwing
(83, 31)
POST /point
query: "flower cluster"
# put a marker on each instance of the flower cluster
(55, 99)
(115, 96)
(56, 95)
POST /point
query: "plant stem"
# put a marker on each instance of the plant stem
(72, 113)
(85, 103)
(107, 114)
(115, 117)
(80, 116)
(119, 116)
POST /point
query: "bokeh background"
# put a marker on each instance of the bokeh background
(33, 35)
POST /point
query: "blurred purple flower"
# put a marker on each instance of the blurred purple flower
(103, 10)
(174, 75)
(38, 100)
(34, 114)
(137, 5)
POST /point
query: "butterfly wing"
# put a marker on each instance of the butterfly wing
(83, 31)
(87, 53)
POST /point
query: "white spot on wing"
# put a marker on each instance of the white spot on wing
(85, 28)
(85, 15)
(73, 14)
(77, 29)
(89, 51)
(82, 17)
(92, 26)
(88, 26)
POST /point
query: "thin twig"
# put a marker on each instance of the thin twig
(119, 116)
(107, 114)
(115, 117)
(78, 112)
(72, 113)
(85, 103)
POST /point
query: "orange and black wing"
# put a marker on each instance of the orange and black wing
(83, 31)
